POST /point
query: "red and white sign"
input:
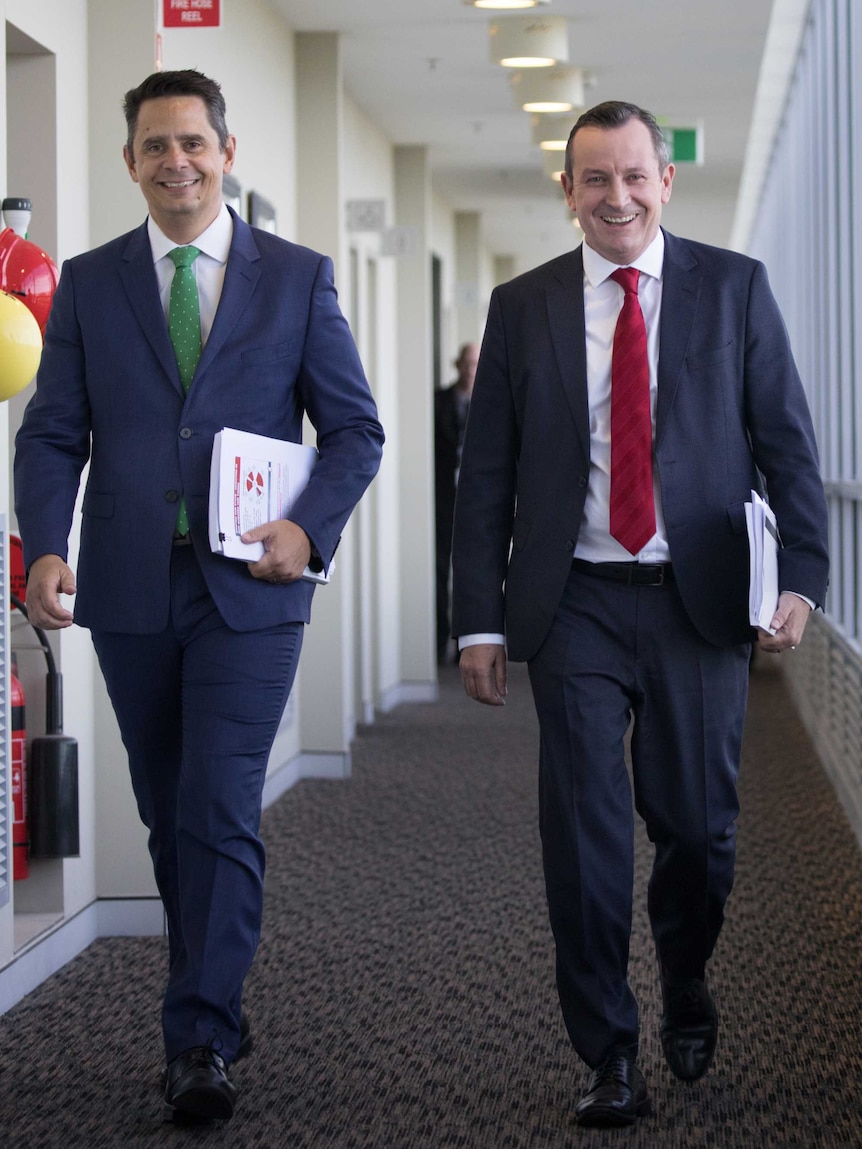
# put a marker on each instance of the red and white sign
(192, 13)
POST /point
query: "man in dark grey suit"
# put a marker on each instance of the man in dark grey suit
(653, 628)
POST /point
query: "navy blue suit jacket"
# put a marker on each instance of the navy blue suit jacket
(731, 415)
(108, 391)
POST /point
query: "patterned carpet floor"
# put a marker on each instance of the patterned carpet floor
(403, 994)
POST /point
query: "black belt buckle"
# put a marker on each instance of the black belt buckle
(649, 574)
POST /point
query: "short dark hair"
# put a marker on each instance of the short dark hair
(613, 114)
(184, 83)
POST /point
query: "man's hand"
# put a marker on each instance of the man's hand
(788, 622)
(483, 672)
(287, 548)
(49, 577)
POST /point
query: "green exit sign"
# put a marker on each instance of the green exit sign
(685, 145)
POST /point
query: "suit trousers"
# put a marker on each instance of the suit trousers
(198, 707)
(616, 656)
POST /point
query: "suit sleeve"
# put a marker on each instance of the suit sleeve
(53, 443)
(782, 437)
(339, 403)
(485, 500)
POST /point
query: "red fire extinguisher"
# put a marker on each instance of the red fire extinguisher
(20, 821)
(48, 783)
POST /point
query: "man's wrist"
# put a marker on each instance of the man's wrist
(805, 598)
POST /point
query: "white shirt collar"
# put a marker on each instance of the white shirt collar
(651, 261)
(214, 241)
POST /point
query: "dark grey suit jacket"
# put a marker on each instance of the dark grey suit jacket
(731, 416)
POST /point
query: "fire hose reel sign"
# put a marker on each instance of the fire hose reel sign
(191, 13)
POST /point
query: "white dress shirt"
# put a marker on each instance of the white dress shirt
(603, 301)
(209, 267)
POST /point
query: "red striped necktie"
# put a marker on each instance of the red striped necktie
(632, 505)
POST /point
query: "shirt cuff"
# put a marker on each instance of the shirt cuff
(465, 640)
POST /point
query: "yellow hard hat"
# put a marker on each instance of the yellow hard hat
(20, 345)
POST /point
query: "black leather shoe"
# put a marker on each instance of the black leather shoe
(689, 1027)
(616, 1094)
(199, 1085)
(246, 1045)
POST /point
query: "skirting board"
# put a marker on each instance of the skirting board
(304, 766)
(408, 692)
(107, 917)
(132, 917)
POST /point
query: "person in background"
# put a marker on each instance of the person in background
(451, 405)
(629, 396)
(192, 322)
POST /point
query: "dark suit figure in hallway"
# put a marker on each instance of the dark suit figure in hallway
(619, 422)
(451, 406)
(199, 652)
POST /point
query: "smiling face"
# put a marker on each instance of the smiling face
(177, 160)
(617, 189)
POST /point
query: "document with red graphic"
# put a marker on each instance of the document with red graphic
(253, 480)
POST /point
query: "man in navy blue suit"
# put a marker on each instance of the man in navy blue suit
(199, 652)
(653, 627)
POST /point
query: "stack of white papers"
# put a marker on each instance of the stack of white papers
(254, 480)
(763, 544)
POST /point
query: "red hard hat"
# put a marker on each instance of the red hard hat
(28, 273)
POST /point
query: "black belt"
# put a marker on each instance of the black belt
(182, 540)
(633, 574)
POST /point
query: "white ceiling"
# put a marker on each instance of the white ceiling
(420, 70)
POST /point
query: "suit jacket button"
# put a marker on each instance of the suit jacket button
(171, 496)
(582, 482)
(186, 433)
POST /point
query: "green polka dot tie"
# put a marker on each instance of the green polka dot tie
(184, 326)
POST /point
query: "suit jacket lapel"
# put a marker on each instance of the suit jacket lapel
(565, 301)
(240, 279)
(139, 279)
(681, 284)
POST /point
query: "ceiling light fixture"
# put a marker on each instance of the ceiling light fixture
(529, 41)
(501, 4)
(551, 132)
(554, 90)
(553, 165)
